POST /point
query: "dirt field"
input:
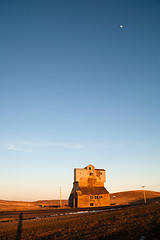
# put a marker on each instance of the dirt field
(132, 222)
(32, 220)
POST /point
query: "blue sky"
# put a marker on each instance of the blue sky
(76, 89)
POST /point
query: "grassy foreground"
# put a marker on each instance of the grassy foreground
(136, 222)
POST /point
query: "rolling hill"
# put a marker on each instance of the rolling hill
(133, 197)
(119, 198)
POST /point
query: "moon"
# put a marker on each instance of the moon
(121, 26)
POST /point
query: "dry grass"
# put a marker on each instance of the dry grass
(119, 199)
(128, 197)
(22, 206)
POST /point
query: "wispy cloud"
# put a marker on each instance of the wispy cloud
(21, 145)
(109, 145)
(116, 145)
(14, 148)
(53, 144)
(67, 145)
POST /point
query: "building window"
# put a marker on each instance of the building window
(91, 197)
(96, 197)
(91, 204)
(101, 173)
(101, 196)
(90, 168)
(91, 173)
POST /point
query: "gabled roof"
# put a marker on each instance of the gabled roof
(93, 190)
(90, 165)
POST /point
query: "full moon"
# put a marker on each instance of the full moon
(121, 26)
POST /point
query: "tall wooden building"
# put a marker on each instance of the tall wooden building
(88, 188)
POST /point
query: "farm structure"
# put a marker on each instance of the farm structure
(88, 188)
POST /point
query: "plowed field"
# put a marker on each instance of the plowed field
(134, 222)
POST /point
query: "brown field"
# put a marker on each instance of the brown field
(22, 206)
(131, 222)
(133, 197)
(119, 198)
(122, 220)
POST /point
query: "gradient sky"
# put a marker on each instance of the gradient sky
(76, 89)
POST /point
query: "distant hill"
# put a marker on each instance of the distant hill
(129, 197)
(49, 203)
(21, 205)
(119, 198)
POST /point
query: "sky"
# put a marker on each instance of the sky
(78, 89)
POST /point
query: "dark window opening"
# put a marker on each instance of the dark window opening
(91, 173)
(91, 197)
(90, 168)
(76, 202)
(91, 204)
(96, 197)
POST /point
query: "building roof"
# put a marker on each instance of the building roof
(90, 165)
(93, 190)
(100, 169)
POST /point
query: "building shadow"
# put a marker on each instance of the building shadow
(19, 228)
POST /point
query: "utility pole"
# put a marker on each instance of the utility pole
(60, 198)
(144, 194)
